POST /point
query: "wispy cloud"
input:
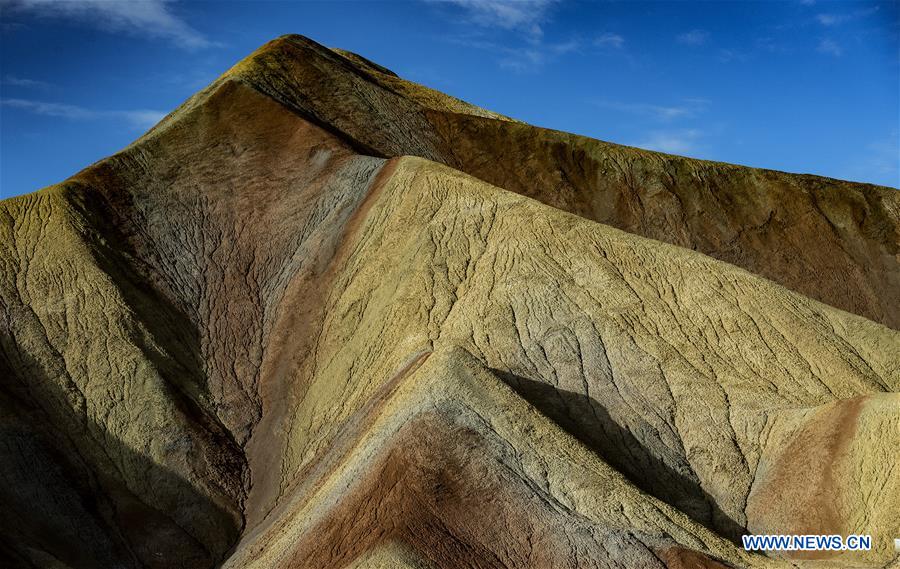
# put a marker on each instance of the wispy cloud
(511, 30)
(693, 37)
(190, 80)
(50, 109)
(830, 47)
(829, 19)
(609, 39)
(14, 81)
(140, 118)
(683, 141)
(526, 16)
(688, 108)
(877, 162)
(527, 57)
(8, 27)
(769, 44)
(729, 55)
(885, 158)
(150, 18)
(534, 57)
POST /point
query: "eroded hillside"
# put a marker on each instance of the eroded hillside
(831, 240)
(264, 335)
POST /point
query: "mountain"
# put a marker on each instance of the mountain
(320, 316)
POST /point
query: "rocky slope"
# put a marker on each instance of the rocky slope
(834, 241)
(324, 317)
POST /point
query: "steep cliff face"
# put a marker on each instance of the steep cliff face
(324, 317)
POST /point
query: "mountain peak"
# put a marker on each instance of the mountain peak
(321, 316)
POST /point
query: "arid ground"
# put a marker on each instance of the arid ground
(323, 317)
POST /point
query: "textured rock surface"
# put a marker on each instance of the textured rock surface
(262, 336)
(834, 241)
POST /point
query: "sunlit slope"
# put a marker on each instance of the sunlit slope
(832, 240)
(675, 368)
(452, 468)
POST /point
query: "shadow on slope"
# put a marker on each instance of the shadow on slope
(71, 491)
(73, 495)
(588, 421)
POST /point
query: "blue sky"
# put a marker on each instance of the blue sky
(802, 86)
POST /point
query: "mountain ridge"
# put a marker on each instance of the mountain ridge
(783, 226)
(254, 344)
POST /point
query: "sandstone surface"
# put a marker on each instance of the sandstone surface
(321, 316)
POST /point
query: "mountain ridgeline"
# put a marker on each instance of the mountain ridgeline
(321, 316)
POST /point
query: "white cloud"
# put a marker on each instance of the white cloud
(688, 108)
(526, 16)
(151, 18)
(830, 47)
(693, 37)
(23, 82)
(140, 118)
(682, 141)
(609, 39)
